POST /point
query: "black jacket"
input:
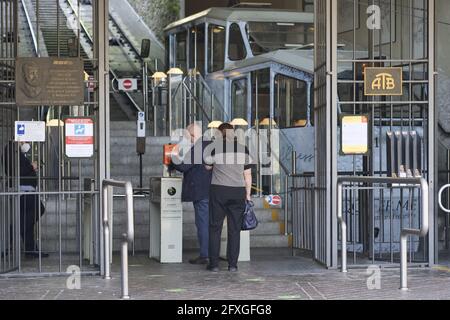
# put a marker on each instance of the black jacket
(27, 172)
(196, 179)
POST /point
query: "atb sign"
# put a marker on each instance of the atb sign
(383, 81)
(79, 138)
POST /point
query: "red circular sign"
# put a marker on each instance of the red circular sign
(127, 84)
(276, 200)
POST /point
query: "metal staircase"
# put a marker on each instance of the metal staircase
(125, 36)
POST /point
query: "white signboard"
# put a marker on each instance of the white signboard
(127, 84)
(79, 137)
(30, 131)
(355, 135)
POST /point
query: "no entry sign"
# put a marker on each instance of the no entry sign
(127, 84)
(273, 200)
(79, 137)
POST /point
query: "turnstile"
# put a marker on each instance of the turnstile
(166, 220)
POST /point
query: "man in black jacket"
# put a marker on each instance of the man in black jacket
(196, 183)
(29, 204)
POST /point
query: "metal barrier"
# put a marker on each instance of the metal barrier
(127, 237)
(302, 194)
(405, 232)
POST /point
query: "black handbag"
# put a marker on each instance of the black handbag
(249, 221)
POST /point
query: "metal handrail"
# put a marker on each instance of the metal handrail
(126, 237)
(30, 25)
(440, 198)
(405, 232)
(91, 40)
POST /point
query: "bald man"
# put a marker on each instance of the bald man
(196, 183)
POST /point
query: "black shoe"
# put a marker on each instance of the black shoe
(232, 269)
(199, 260)
(212, 269)
(35, 255)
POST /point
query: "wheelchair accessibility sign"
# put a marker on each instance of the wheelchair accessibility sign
(29, 131)
(79, 137)
(80, 129)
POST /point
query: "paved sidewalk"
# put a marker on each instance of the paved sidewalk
(272, 275)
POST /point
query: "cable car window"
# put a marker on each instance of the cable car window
(216, 48)
(236, 46)
(270, 36)
(180, 51)
(199, 47)
(260, 96)
(239, 98)
(291, 102)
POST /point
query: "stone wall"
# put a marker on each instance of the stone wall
(157, 14)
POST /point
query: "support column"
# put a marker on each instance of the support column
(101, 53)
(433, 243)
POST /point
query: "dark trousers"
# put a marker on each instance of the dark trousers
(29, 215)
(220, 206)
(202, 223)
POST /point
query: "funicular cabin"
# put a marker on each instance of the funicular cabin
(249, 67)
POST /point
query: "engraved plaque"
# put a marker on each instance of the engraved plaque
(49, 81)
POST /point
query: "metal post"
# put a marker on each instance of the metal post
(294, 162)
(126, 237)
(432, 134)
(343, 228)
(404, 262)
(101, 52)
(124, 268)
(106, 236)
(286, 207)
(145, 88)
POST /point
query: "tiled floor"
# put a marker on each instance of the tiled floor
(272, 274)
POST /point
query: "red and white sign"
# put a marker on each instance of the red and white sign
(79, 137)
(127, 84)
(273, 200)
(91, 84)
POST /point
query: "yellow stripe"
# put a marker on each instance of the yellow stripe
(275, 215)
(281, 227)
(442, 268)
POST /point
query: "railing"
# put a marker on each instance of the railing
(303, 194)
(30, 26)
(405, 232)
(441, 205)
(127, 237)
(85, 31)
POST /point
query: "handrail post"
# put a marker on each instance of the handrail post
(286, 207)
(441, 205)
(405, 232)
(106, 235)
(343, 228)
(126, 237)
(124, 268)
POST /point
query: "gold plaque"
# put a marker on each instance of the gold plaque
(383, 81)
